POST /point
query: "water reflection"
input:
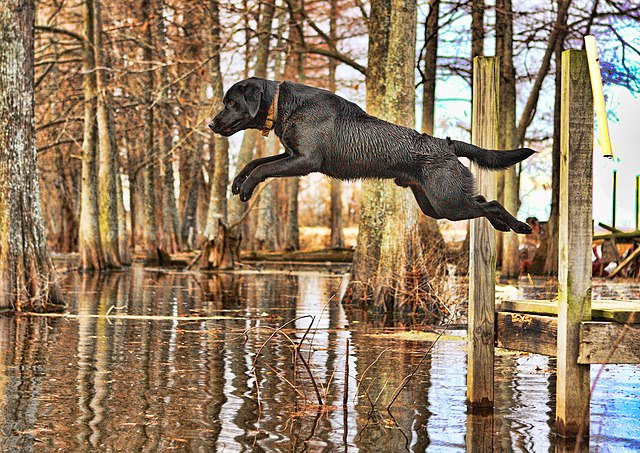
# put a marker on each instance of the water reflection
(214, 375)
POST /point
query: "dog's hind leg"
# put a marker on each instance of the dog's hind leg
(244, 174)
(420, 196)
(451, 199)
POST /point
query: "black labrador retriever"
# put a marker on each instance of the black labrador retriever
(322, 132)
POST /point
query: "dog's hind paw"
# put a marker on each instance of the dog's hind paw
(522, 228)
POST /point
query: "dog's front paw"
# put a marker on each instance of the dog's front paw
(245, 196)
(237, 183)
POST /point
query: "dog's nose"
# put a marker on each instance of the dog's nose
(212, 126)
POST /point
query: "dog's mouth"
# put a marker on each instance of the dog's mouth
(228, 130)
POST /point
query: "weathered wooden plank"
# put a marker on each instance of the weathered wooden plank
(526, 332)
(598, 95)
(607, 342)
(605, 310)
(482, 244)
(575, 234)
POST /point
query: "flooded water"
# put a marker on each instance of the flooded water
(158, 361)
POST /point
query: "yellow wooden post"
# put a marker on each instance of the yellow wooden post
(598, 95)
(482, 240)
(574, 265)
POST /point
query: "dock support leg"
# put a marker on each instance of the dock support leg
(482, 241)
(575, 235)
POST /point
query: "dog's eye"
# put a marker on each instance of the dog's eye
(231, 103)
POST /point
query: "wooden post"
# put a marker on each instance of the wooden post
(574, 262)
(598, 95)
(482, 240)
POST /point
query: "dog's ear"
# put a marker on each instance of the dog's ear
(253, 97)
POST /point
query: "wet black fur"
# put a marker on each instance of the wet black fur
(322, 132)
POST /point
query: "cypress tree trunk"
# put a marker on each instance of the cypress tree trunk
(236, 207)
(550, 245)
(216, 249)
(388, 242)
(27, 277)
(507, 113)
(191, 155)
(150, 241)
(294, 71)
(108, 170)
(428, 225)
(90, 243)
(170, 223)
(336, 223)
(268, 220)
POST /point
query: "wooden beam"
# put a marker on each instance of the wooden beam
(482, 242)
(622, 311)
(618, 236)
(529, 333)
(575, 234)
(600, 342)
(607, 342)
(609, 228)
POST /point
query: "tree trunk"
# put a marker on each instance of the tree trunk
(150, 239)
(216, 250)
(268, 218)
(336, 223)
(428, 224)
(236, 207)
(557, 34)
(191, 156)
(170, 223)
(551, 230)
(477, 29)
(27, 277)
(89, 243)
(293, 71)
(504, 49)
(108, 170)
(388, 248)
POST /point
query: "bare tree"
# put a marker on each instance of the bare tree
(336, 223)
(90, 243)
(506, 140)
(388, 242)
(108, 167)
(27, 277)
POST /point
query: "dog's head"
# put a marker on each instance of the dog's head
(241, 108)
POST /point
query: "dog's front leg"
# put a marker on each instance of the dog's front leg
(252, 165)
(296, 165)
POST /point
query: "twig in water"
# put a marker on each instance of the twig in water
(406, 380)
(345, 393)
(364, 373)
(306, 364)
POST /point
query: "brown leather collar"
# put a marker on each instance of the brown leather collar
(272, 114)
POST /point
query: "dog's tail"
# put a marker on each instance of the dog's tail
(487, 158)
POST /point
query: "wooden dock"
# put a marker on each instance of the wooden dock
(573, 328)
